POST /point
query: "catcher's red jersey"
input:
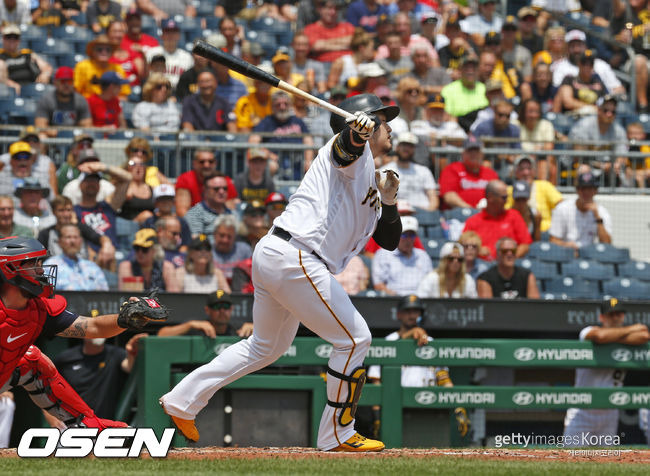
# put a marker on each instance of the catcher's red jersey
(20, 328)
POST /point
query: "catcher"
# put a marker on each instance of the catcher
(29, 309)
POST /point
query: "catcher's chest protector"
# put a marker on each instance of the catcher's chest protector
(18, 330)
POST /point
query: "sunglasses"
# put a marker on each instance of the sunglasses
(221, 305)
(103, 49)
(219, 189)
(133, 163)
(11, 37)
(506, 251)
(206, 161)
(161, 86)
(470, 245)
(137, 150)
(408, 235)
(413, 92)
(502, 114)
(608, 110)
(277, 206)
(141, 249)
(460, 259)
(22, 156)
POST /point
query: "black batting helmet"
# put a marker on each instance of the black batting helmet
(35, 279)
(368, 103)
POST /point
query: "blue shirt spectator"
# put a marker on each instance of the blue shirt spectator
(359, 14)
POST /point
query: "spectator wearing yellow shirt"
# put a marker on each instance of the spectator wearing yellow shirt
(544, 197)
(253, 107)
(99, 51)
(635, 134)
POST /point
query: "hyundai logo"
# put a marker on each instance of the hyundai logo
(524, 354)
(523, 398)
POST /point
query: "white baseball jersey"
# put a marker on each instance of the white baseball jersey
(414, 182)
(334, 218)
(570, 224)
(176, 63)
(412, 375)
(565, 68)
(579, 421)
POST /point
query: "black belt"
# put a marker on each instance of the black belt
(286, 236)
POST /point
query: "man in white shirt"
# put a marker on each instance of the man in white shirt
(417, 185)
(580, 222)
(177, 60)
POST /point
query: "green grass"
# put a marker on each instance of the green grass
(349, 466)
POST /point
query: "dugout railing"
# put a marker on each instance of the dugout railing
(158, 357)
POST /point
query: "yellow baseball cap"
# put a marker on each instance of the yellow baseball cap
(20, 146)
(145, 238)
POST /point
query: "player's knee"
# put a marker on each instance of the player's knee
(38, 361)
(363, 339)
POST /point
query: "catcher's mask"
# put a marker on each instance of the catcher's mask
(368, 103)
(21, 264)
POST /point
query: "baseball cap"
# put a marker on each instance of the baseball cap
(410, 224)
(430, 17)
(404, 207)
(145, 238)
(87, 155)
(338, 90)
(20, 146)
(407, 138)
(133, 12)
(275, 197)
(31, 183)
(492, 38)
(384, 19)
(370, 70)
(169, 24)
(449, 247)
(436, 100)
(164, 190)
(255, 207)
(525, 12)
(95, 175)
(64, 72)
(520, 189)
(11, 29)
(111, 77)
(605, 99)
(587, 179)
(575, 35)
(472, 142)
(468, 59)
(523, 158)
(587, 57)
(201, 242)
(217, 40)
(510, 23)
(218, 297)
(612, 305)
(29, 132)
(158, 58)
(255, 49)
(493, 85)
(410, 302)
(280, 55)
(82, 137)
(257, 153)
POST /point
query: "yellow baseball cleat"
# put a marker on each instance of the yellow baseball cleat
(186, 427)
(358, 443)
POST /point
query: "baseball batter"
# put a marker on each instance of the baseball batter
(602, 422)
(339, 205)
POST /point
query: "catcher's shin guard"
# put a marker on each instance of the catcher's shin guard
(355, 383)
(50, 391)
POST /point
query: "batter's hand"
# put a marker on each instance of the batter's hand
(462, 420)
(388, 184)
(362, 124)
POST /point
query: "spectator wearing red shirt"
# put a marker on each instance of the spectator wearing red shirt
(135, 41)
(189, 185)
(495, 222)
(329, 38)
(105, 107)
(462, 184)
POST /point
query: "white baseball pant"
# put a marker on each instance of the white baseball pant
(7, 410)
(291, 286)
(579, 422)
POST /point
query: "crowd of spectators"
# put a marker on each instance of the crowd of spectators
(470, 76)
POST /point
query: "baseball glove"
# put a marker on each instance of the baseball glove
(462, 420)
(136, 314)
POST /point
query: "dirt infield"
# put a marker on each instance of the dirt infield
(555, 455)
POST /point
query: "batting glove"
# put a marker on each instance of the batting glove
(362, 124)
(388, 184)
(462, 420)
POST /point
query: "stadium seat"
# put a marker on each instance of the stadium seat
(22, 111)
(31, 32)
(605, 253)
(460, 214)
(125, 230)
(287, 190)
(545, 251)
(33, 90)
(589, 270)
(629, 288)
(635, 269)
(136, 94)
(541, 269)
(427, 217)
(435, 232)
(53, 46)
(432, 247)
(561, 123)
(265, 39)
(572, 287)
(212, 22)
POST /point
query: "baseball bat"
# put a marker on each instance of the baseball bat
(213, 53)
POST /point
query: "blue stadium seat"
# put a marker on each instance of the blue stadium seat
(635, 269)
(7, 93)
(572, 287)
(629, 288)
(435, 232)
(33, 90)
(545, 251)
(265, 39)
(587, 269)
(541, 269)
(212, 22)
(460, 214)
(31, 32)
(427, 217)
(605, 253)
(127, 110)
(432, 247)
(125, 230)
(22, 111)
(561, 123)
(53, 46)
(136, 94)
(287, 190)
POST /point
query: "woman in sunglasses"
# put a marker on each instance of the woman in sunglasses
(199, 274)
(157, 112)
(409, 99)
(99, 52)
(140, 147)
(449, 279)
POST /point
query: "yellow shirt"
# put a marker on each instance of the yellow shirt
(543, 198)
(509, 79)
(250, 112)
(86, 70)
